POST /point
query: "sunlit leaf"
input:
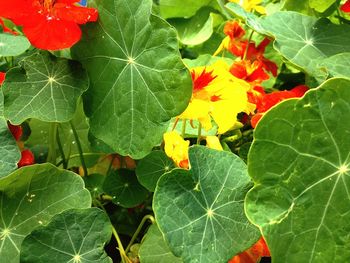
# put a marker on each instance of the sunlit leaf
(11, 45)
(300, 164)
(138, 81)
(200, 211)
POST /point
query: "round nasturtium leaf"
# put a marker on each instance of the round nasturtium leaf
(9, 151)
(76, 235)
(30, 197)
(300, 164)
(200, 211)
(43, 87)
(152, 167)
(11, 45)
(138, 81)
(154, 248)
(305, 40)
(123, 186)
(337, 65)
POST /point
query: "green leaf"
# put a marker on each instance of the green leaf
(152, 167)
(196, 29)
(301, 6)
(138, 81)
(154, 249)
(123, 186)
(30, 197)
(43, 87)
(11, 45)
(337, 65)
(9, 151)
(182, 8)
(305, 40)
(300, 165)
(76, 235)
(200, 211)
(94, 182)
(321, 5)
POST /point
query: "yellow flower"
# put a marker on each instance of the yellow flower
(250, 5)
(176, 148)
(213, 142)
(216, 94)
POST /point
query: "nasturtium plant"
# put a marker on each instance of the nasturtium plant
(299, 162)
(30, 197)
(174, 131)
(209, 199)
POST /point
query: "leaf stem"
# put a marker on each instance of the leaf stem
(143, 221)
(199, 135)
(51, 157)
(80, 149)
(247, 47)
(60, 148)
(183, 131)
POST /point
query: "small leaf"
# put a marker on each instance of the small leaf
(152, 167)
(138, 81)
(43, 87)
(300, 164)
(11, 45)
(9, 151)
(200, 211)
(123, 186)
(196, 29)
(30, 197)
(76, 235)
(154, 249)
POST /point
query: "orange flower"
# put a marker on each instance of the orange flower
(346, 7)
(253, 254)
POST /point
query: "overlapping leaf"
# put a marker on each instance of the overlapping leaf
(138, 81)
(43, 87)
(11, 45)
(200, 211)
(76, 235)
(300, 164)
(175, 8)
(154, 249)
(30, 197)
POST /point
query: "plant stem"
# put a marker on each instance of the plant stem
(183, 131)
(199, 135)
(64, 160)
(80, 149)
(247, 47)
(51, 157)
(143, 221)
(120, 247)
(223, 9)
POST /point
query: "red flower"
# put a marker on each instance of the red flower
(250, 72)
(253, 254)
(48, 24)
(16, 131)
(2, 77)
(27, 158)
(346, 7)
(264, 101)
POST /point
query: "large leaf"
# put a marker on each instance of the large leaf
(154, 249)
(11, 45)
(9, 151)
(300, 164)
(304, 40)
(138, 81)
(30, 197)
(200, 211)
(76, 235)
(43, 87)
